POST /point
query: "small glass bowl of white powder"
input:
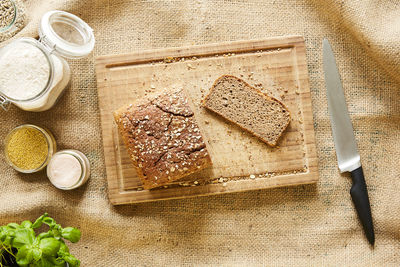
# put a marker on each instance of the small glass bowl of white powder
(68, 169)
(34, 73)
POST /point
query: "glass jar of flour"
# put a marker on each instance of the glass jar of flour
(34, 73)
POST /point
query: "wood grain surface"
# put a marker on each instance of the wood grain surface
(277, 66)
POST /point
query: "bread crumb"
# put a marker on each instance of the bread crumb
(224, 184)
(168, 60)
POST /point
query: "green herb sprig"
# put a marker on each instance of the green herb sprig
(47, 249)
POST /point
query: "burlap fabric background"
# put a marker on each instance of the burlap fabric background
(307, 225)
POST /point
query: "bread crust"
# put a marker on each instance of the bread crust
(256, 91)
(162, 138)
(125, 137)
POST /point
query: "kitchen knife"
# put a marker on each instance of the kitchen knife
(345, 142)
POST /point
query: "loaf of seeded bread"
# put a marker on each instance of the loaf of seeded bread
(162, 138)
(244, 105)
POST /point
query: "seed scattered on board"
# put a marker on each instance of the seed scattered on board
(252, 176)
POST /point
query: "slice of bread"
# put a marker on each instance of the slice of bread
(237, 101)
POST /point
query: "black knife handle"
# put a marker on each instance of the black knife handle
(359, 194)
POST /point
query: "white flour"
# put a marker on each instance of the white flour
(24, 71)
(60, 81)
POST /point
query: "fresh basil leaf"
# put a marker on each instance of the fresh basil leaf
(44, 235)
(9, 234)
(24, 256)
(46, 261)
(54, 262)
(3, 233)
(49, 221)
(26, 224)
(36, 253)
(8, 240)
(56, 233)
(72, 261)
(72, 234)
(58, 261)
(24, 236)
(13, 225)
(36, 242)
(63, 248)
(49, 246)
(47, 249)
(39, 221)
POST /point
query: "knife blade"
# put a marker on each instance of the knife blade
(345, 143)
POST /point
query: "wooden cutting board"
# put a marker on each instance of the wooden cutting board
(277, 66)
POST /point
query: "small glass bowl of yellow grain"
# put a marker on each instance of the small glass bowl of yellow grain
(28, 148)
